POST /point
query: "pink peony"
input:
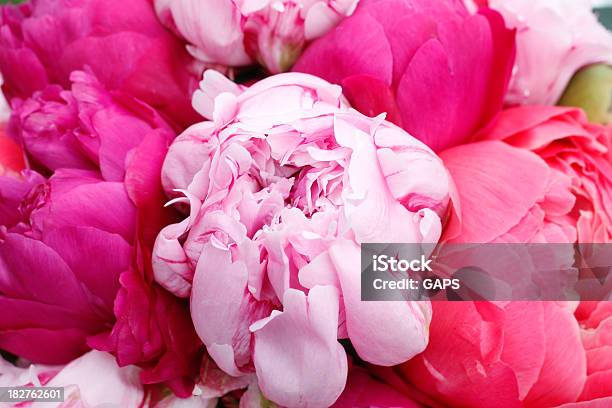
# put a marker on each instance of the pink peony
(115, 145)
(596, 327)
(153, 328)
(554, 38)
(91, 380)
(570, 145)
(416, 61)
(507, 195)
(281, 186)
(515, 354)
(84, 128)
(52, 296)
(43, 41)
(230, 33)
(509, 354)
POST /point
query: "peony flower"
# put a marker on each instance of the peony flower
(153, 328)
(481, 354)
(596, 328)
(83, 385)
(416, 61)
(54, 297)
(508, 195)
(555, 38)
(581, 151)
(115, 145)
(84, 128)
(127, 48)
(238, 33)
(502, 353)
(281, 186)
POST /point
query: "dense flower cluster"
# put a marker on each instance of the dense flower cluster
(164, 244)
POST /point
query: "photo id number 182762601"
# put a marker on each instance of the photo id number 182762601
(31, 394)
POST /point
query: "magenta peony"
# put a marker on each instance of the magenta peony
(515, 354)
(52, 296)
(153, 329)
(89, 381)
(237, 33)
(281, 186)
(416, 61)
(84, 128)
(363, 390)
(579, 150)
(43, 41)
(107, 210)
(554, 39)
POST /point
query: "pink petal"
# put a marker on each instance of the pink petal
(371, 97)
(298, 360)
(335, 56)
(383, 333)
(564, 371)
(497, 186)
(363, 390)
(465, 366)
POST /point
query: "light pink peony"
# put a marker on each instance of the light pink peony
(281, 186)
(579, 150)
(89, 381)
(555, 38)
(235, 33)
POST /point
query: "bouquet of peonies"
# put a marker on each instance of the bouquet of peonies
(186, 185)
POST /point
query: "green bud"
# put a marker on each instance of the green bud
(591, 90)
